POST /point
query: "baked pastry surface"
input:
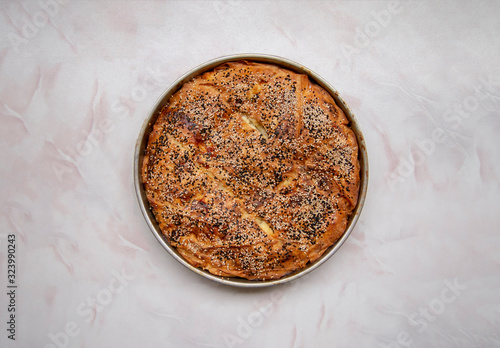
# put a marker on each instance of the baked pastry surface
(251, 171)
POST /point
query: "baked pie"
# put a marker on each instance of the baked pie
(251, 170)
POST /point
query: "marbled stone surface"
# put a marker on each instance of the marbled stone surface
(422, 266)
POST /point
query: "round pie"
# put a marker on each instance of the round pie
(251, 170)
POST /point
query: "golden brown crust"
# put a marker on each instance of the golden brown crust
(251, 171)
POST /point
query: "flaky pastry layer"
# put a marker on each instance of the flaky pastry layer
(251, 171)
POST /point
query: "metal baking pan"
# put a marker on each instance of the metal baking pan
(148, 126)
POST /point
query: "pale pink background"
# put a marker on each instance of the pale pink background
(422, 267)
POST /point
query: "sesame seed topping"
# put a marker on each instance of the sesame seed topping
(251, 170)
